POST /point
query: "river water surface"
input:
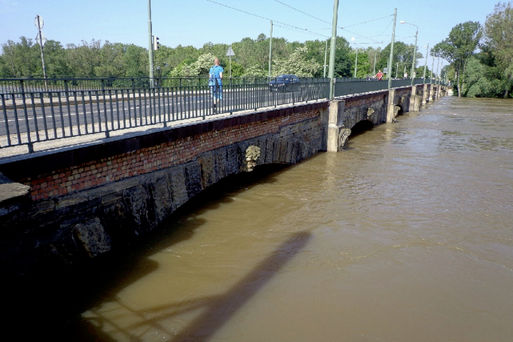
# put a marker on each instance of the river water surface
(407, 235)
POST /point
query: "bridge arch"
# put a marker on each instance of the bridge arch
(361, 127)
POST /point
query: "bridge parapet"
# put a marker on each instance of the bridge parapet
(88, 198)
(83, 201)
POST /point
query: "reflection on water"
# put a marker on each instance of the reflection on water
(405, 236)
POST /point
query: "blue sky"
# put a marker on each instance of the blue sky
(195, 22)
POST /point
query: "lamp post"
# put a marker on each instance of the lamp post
(355, 60)
(331, 73)
(425, 64)
(230, 53)
(41, 40)
(325, 56)
(414, 59)
(438, 70)
(391, 57)
(270, 50)
(375, 55)
(150, 48)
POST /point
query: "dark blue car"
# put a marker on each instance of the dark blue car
(285, 82)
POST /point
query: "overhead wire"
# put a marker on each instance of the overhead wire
(365, 22)
(268, 19)
(341, 27)
(290, 26)
(303, 12)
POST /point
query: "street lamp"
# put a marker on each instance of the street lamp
(425, 64)
(356, 60)
(414, 49)
(150, 48)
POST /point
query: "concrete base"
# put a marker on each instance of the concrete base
(412, 98)
(335, 127)
(391, 111)
(424, 96)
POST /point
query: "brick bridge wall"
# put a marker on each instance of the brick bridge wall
(86, 201)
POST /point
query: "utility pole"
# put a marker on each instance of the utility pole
(270, 50)
(332, 49)
(438, 69)
(39, 24)
(356, 63)
(230, 53)
(391, 58)
(432, 67)
(150, 47)
(425, 64)
(414, 59)
(374, 69)
(325, 55)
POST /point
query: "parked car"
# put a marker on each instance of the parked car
(284, 83)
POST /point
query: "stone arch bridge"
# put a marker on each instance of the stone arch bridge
(80, 203)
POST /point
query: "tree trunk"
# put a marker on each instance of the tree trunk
(458, 82)
(462, 72)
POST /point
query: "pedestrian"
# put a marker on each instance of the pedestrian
(215, 82)
(379, 75)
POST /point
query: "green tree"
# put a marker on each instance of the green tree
(200, 67)
(21, 59)
(363, 65)
(342, 67)
(402, 59)
(110, 60)
(82, 60)
(316, 51)
(135, 61)
(297, 63)
(478, 85)
(55, 60)
(459, 47)
(499, 40)
(254, 71)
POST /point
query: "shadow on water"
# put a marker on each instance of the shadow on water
(48, 305)
(217, 310)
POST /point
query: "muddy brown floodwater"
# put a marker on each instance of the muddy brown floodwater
(407, 235)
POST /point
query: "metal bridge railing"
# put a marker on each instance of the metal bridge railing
(32, 111)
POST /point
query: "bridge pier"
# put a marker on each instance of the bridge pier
(337, 134)
(432, 93)
(415, 100)
(391, 111)
(79, 203)
(424, 96)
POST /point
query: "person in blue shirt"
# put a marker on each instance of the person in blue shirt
(215, 82)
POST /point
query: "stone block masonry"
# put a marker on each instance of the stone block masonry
(84, 202)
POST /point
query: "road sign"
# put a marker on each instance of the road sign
(230, 52)
(385, 70)
(39, 22)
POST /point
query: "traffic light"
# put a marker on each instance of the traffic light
(156, 43)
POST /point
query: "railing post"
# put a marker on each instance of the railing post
(8, 134)
(25, 113)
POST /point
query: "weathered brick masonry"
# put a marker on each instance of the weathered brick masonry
(148, 159)
(85, 201)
